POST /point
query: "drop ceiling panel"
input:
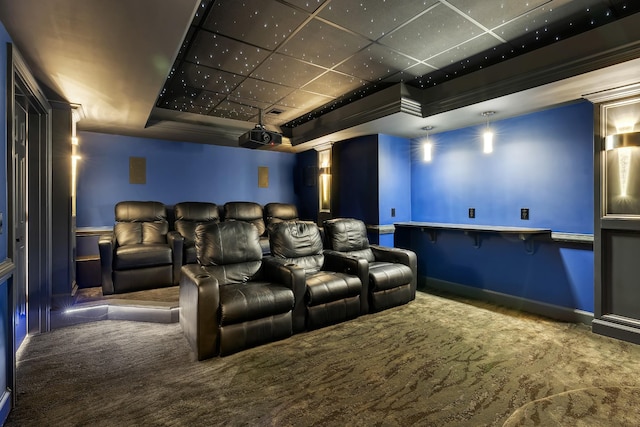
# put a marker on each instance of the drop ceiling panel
(549, 20)
(286, 70)
(430, 79)
(434, 32)
(178, 94)
(196, 109)
(410, 74)
(284, 116)
(250, 102)
(335, 84)
(323, 44)
(264, 23)
(189, 102)
(303, 100)
(460, 54)
(201, 77)
(375, 63)
(492, 13)
(208, 99)
(308, 5)
(216, 51)
(373, 19)
(232, 110)
(261, 91)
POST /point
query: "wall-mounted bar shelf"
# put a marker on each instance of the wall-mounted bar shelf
(524, 234)
(586, 239)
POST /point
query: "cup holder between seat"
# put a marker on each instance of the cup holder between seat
(203, 276)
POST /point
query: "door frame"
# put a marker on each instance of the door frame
(38, 266)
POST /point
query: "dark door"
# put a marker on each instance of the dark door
(20, 215)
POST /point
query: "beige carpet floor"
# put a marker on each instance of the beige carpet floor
(434, 362)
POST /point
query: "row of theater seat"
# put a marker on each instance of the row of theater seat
(146, 249)
(233, 295)
(189, 214)
(235, 298)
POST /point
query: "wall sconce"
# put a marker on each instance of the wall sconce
(427, 146)
(623, 143)
(76, 115)
(487, 136)
(622, 140)
(324, 171)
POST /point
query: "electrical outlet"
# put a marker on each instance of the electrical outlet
(472, 212)
(524, 214)
(393, 212)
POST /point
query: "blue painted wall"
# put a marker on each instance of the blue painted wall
(542, 161)
(176, 172)
(557, 273)
(394, 182)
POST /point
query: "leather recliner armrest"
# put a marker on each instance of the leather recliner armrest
(199, 303)
(176, 241)
(107, 247)
(401, 256)
(278, 270)
(349, 264)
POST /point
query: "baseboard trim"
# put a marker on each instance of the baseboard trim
(530, 306)
(616, 330)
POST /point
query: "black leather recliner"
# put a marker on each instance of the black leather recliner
(188, 215)
(392, 272)
(278, 212)
(231, 300)
(328, 287)
(141, 253)
(252, 213)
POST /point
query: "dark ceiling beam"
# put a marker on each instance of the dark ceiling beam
(395, 99)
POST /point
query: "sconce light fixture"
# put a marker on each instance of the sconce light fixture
(324, 172)
(427, 146)
(623, 143)
(487, 136)
(622, 140)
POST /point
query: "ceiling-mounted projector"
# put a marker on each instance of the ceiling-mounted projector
(259, 137)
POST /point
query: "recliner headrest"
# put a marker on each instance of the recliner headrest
(242, 211)
(135, 211)
(346, 234)
(225, 243)
(245, 211)
(280, 211)
(197, 211)
(294, 239)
